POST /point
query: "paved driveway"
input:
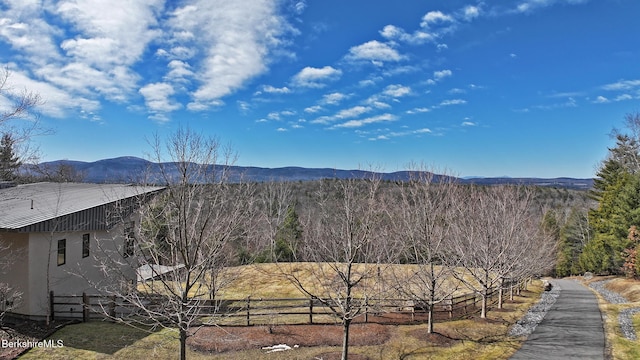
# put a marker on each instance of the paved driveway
(572, 329)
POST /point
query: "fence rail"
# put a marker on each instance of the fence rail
(252, 311)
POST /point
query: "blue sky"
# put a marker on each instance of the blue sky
(480, 88)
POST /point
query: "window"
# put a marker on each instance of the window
(85, 245)
(62, 252)
(129, 238)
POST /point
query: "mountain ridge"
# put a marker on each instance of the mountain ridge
(134, 169)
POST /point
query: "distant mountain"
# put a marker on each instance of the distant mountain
(132, 170)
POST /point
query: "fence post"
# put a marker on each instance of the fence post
(85, 307)
(248, 310)
(51, 305)
(366, 309)
(311, 311)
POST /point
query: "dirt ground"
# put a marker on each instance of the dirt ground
(228, 339)
(223, 339)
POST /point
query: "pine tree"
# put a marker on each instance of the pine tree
(618, 192)
(9, 161)
(288, 236)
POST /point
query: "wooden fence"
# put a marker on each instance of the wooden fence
(252, 311)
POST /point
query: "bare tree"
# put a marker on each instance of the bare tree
(344, 244)
(423, 221)
(184, 233)
(491, 236)
(10, 297)
(18, 105)
(274, 199)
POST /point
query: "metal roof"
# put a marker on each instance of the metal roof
(149, 271)
(28, 204)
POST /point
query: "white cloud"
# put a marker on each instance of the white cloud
(235, 38)
(333, 98)
(243, 106)
(374, 51)
(23, 27)
(601, 100)
(470, 12)
(439, 75)
(468, 123)
(453, 102)
(435, 17)
(219, 43)
(323, 120)
(352, 112)
(300, 6)
(313, 109)
(622, 85)
(274, 90)
(396, 91)
(120, 38)
(316, 77)
(623, 97)
(370, 120)
(157, 98)
(422, 131)
(392, 32)
(380, 104)
(402, 134)
(528, 6)
(179, 71)
(57, 101)
(418, 110)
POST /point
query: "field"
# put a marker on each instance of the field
(467, 338)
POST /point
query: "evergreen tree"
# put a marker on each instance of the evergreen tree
(288, 236)
(617, 189)
(9, 161)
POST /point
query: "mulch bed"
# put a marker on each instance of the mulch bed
(223, 339)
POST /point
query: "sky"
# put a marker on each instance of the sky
(472, 88)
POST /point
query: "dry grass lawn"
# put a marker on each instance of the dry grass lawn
(471, 338)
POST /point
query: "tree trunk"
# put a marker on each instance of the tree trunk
(500, 294)
(345, 339)
(430, 320)
(483, 312)
(183, 344)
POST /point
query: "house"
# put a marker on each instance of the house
(55, 236)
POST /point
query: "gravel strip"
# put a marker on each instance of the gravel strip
(611, 296)
(625, 316)
(528, 323)
(626, 323)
